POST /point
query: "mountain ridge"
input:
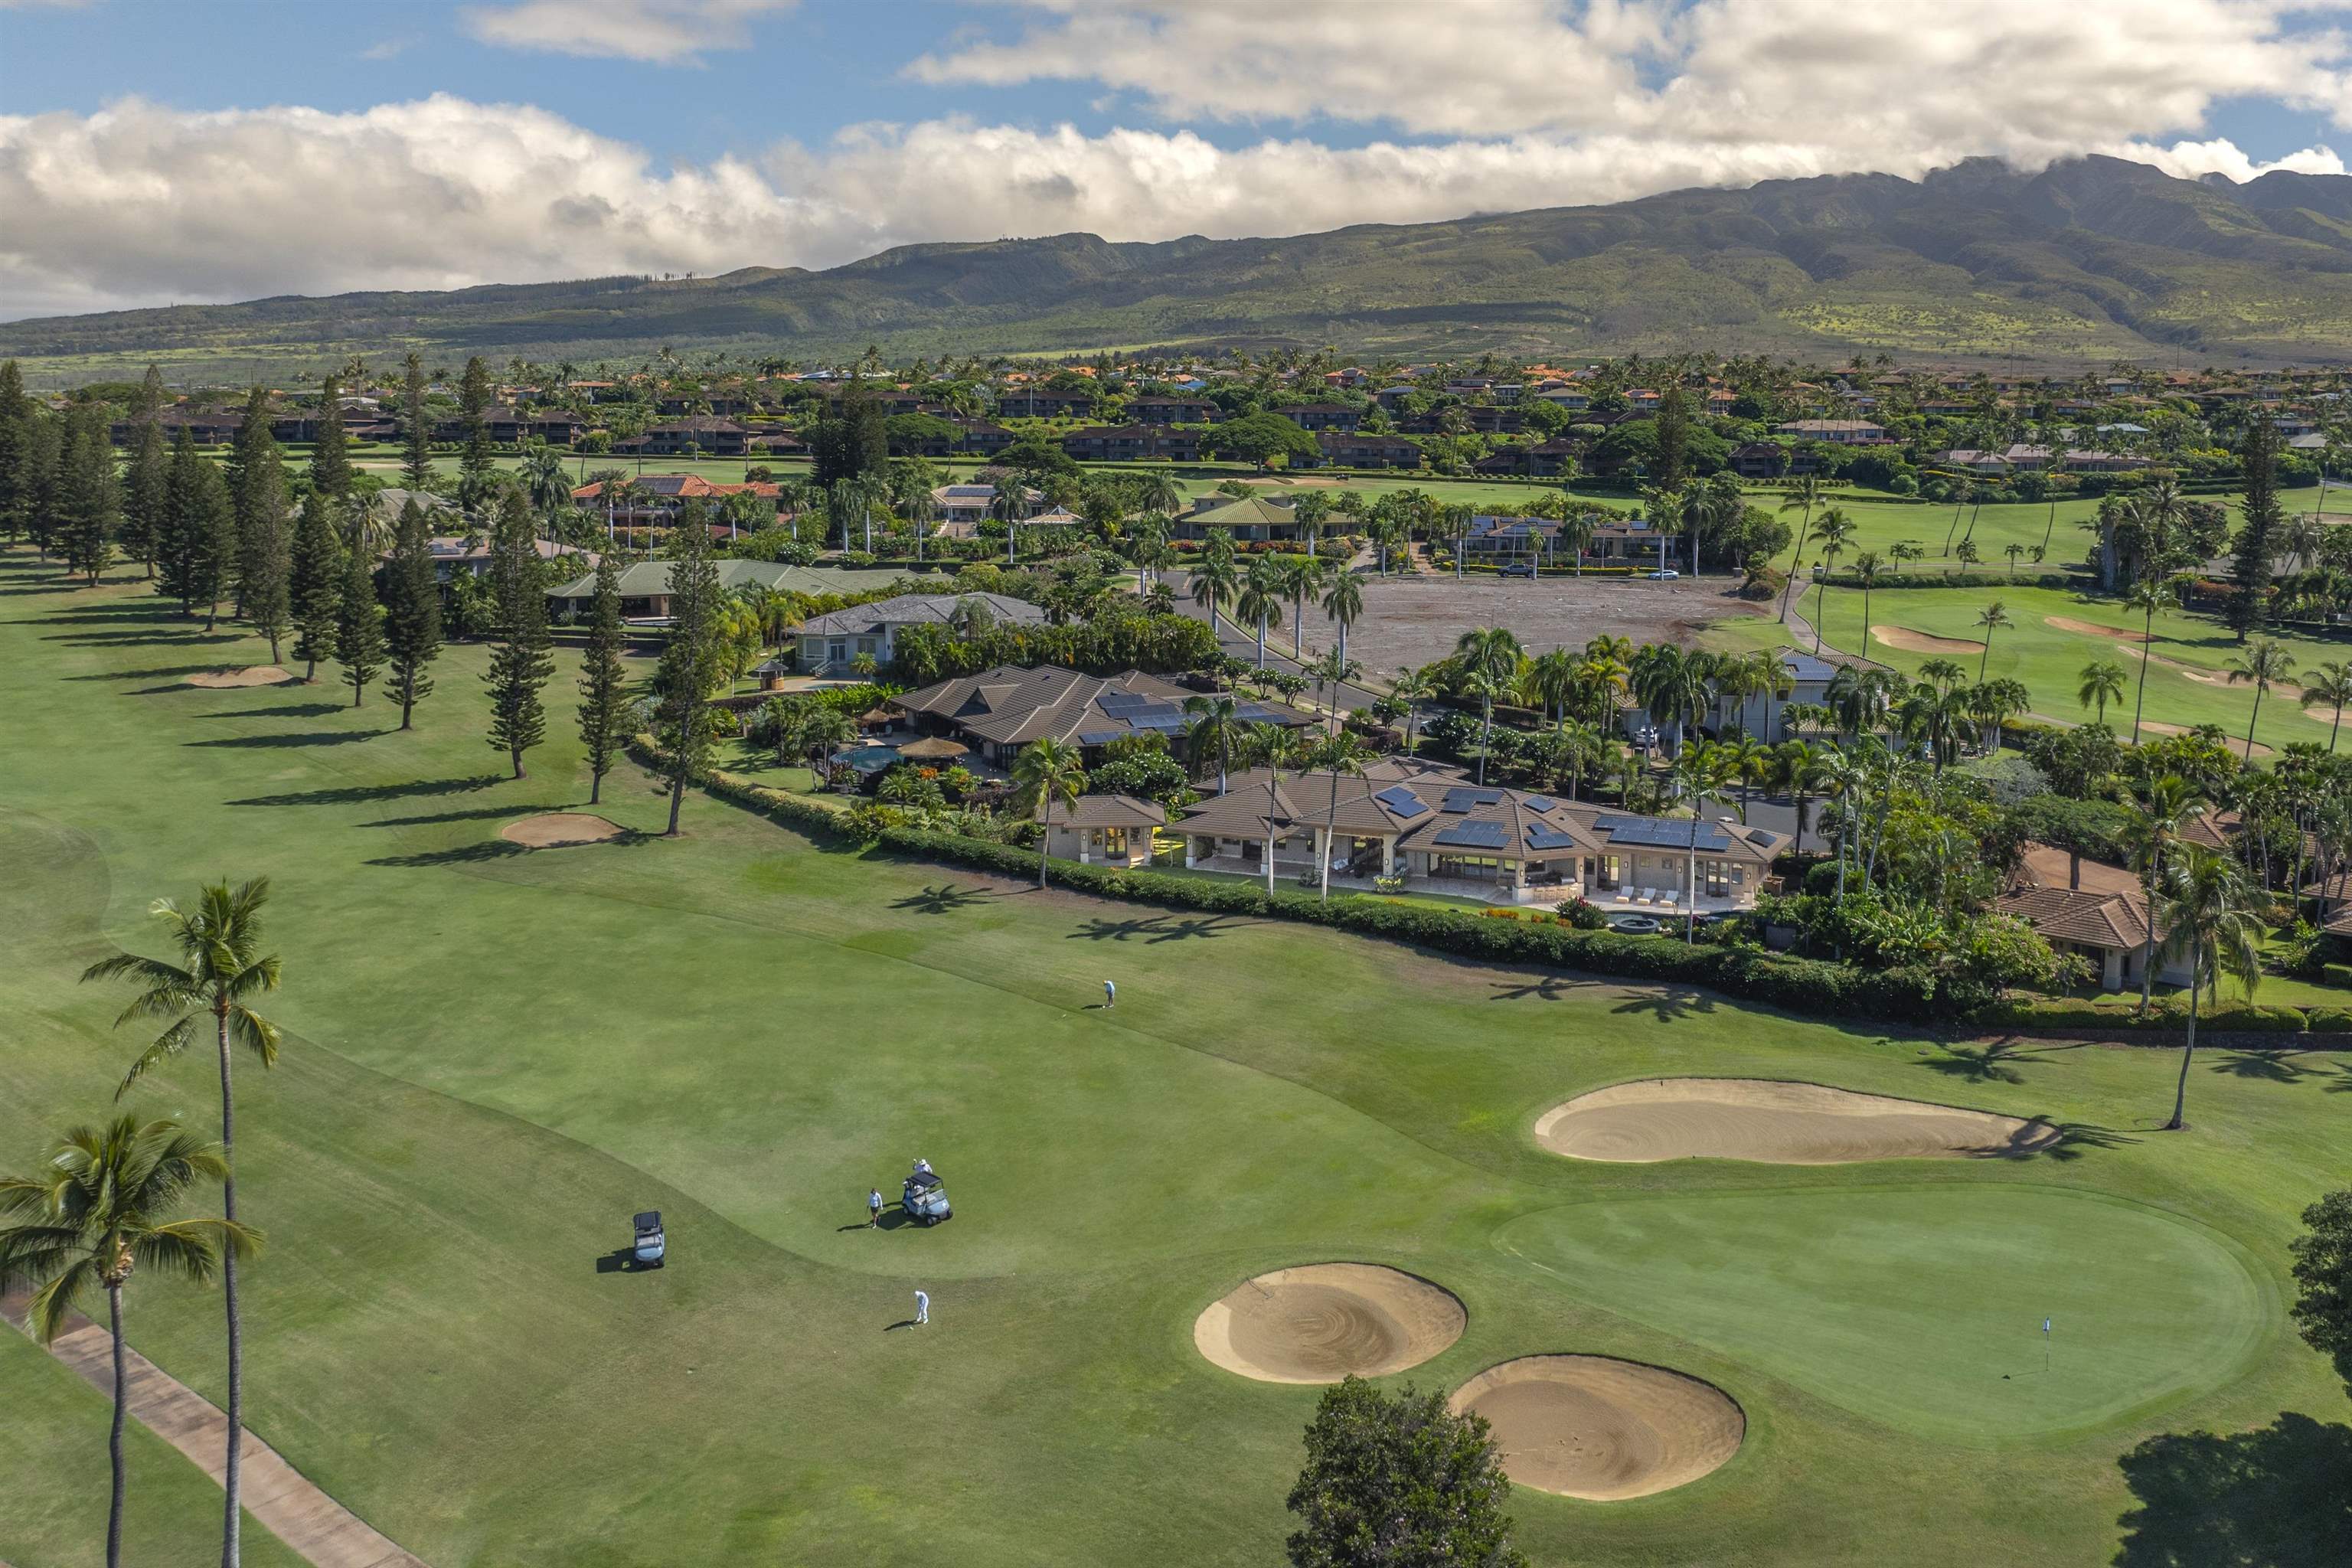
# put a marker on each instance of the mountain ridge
(2088, 259)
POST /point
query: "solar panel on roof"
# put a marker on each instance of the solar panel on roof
(1402, 801)
(1474, 834)
(1544, 836)
(1152, 713)
(1466, 799)
(1121, 702)
(1541, 803)
(1658, 833)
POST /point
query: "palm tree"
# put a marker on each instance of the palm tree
(1334, 671)
(1489, 661)
(1337, 754)
(1301, 577)
(1212, 725)
(220, 943)
(1343, 601)
(1798, 770)
(1806, 493)
(1961, 492)
(2329, 686)
(1214, 581)
(1273, 747)
(1992, 617)
(1701, 770)
(916, 503)
(2209, 912)
(1261, 598)
(2266, 664)
(1046, 771)
(2103, 682)
(2163, 809)
(2147, 595)
(1412, 688)
(101, 1210)
(1866, 567)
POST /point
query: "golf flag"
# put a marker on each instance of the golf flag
(2045, 1325)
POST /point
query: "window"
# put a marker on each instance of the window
(1718, 874)
(1114, 840)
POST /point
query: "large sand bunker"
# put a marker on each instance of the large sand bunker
(2092, 629)
(1778, 1123)
(2237, 745)
(1593, 1426)
(252, 675)
(1322, 1322)
(553, 829)
(1910, 641)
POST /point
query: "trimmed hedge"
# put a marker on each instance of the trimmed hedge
(1805, 986)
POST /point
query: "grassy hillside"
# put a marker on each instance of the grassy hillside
(2088, 260)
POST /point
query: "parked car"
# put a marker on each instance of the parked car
(652, 1248)
(1663, 575)
(1519, 569)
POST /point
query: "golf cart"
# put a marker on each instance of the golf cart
(650, 1247)
(925, 1200)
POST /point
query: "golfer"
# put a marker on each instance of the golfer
(873, 1209)
(1111, 994)
(922, 1307)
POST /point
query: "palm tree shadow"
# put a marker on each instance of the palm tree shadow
(945, 899)
(364, 794)
(2271, 1498)
(2266, 1066)
(1545, 988)
(460, 854)
(1994, 1063)
(472, 814)
(291, 710)
(2072, 1140)
(2342, 1082)
(1157, 929)
(1667, 1003)
(295, 738)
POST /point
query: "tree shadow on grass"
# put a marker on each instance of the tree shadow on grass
(2277, 1497)
(174, 635)
(1667, 1003)
(1545, 988)
(2342, 1082)
(945, 900)
(2264, 1067)
(291, 710)
(293, 738)
(2074, 1140)
(362, 795)
(470, 814)
(1995, 1063)
(105, 616)
(1157, 929)
(460, 854)
(149, 673)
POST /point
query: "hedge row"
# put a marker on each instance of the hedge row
(1800, 985)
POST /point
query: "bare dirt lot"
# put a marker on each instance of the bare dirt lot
(1408, 621)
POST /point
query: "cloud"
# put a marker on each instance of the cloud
(390, 48)
(658, 32)
(2192, 160)
(139, 205)
(2019, 76)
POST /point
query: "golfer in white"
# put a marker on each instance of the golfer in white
(1111, 994)
(922, 1307)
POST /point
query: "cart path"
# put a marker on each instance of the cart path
(275, 1493)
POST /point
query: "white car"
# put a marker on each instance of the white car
(1663, 575)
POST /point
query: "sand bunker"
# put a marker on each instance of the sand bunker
(2237, 745)
(1778, 1123)
(1597, 1427)
(554, 828)
(1320, 1322)
(1910, 641)
(2092, 629)
(253, 675)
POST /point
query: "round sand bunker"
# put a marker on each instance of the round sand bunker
(553, 829)
(1778, 1123)
(1911, 641)
(1320, 1322)
(252, 675)
(1593, 1426)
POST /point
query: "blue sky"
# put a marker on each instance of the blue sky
(160, 152)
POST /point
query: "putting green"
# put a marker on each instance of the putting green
(1923, 1307)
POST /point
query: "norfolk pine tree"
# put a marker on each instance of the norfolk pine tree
(412, 612)
(474, 464)
(179, 548)
(14, 414)
(416, 434)
(359, 626)
(266, 554)
(257, 486)
(690, 663)
(603, 713)
(88, 500)
(2249, 569)
(143, 486)
(331, 456)
(520, 662)
(315, 582)
(37, 468)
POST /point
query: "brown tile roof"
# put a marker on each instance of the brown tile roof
(2047, 866)
(1013, 705)
(1107, 811)
(2093, 920)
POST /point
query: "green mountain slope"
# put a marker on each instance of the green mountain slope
(2092, 258)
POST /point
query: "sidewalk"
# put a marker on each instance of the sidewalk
(274, 1492)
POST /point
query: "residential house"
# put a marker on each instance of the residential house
(1759, 460)
(1249, 518)
(1763, 715)
(705, 435)
(1993, 465)
(1541, 459)
(1155, 410)
(1348, 451)
(1132, 443)
(205, 426)
(1840, 432)
(654, 500)
(1103, 829)
(1034, 403)
(997, 711)
(830, 643)
(644, 587)
(971, 503)
(984, 437)
(1322, 415)
(1438, 833)
(2089, 907)
(470, 555)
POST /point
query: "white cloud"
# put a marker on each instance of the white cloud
(659, 32)
(143, 205)
(390, 48)
(2192, 160)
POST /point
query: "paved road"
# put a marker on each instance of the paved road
(1241, 642)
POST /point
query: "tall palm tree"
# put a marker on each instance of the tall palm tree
(1992, 617)
(1768, 677)
(1799, 769)
(2147, 595)
(1806, 493)
(2329, 686)
(1046, 772)
(100, 1209)
(1413, 688)
(1212, 725)
(1961, 492)
(2208, 913)
(1216, 582)
(220, 947)
(1261, 598)
(2103, 682)
(1273, 747)
(1551, 679)
(1489, 654)
(1302, 578)
(2159, 816)
(1337, 754)
(1343, 601)
(1701, 770)
(1866, 568)
(2266, 664)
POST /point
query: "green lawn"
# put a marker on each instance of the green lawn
(495, 1057)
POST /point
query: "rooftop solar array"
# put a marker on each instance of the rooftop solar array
(1121, 702)
(1544, 836)
(1541, 803)
(1659, 832)
(1469, 799)
(1474, 834)
(1402, 801)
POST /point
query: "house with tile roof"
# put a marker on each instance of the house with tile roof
(829, 644)
(2088, 908)
(1441, 834)
(1104, 830)
(997, 711)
